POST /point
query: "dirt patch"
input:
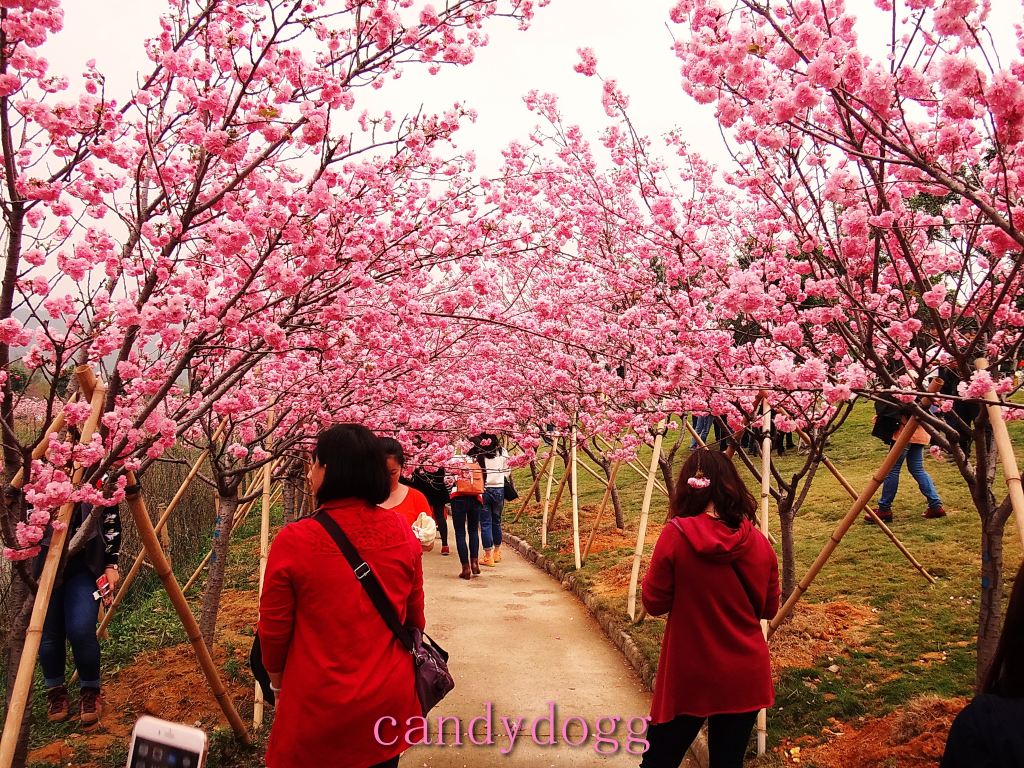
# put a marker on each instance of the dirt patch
(911, 737)
(819, 629)
(608, 538)
(168, 683)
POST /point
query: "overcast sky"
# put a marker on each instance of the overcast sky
(630, 39)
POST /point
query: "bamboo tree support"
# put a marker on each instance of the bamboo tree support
(536, 483)
(641, 536)
(868, 509)
(547, 502)
(33, 636)
(549, 513)
(640, 470)
(766, 480)
(902, 440)
(133, 572)
(600, 511)
(1011, 472)
(575, 495)
(257, 713)
(56, 425)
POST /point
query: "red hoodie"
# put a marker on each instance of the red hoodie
(716, 584)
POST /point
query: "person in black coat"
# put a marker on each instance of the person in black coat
(988, 732)
(434, 485)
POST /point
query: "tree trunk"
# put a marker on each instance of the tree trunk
(620, 521)
(288, 500)
(218, 565)
(990, 610)
(19, 611)
(786, 518)
(533, 480)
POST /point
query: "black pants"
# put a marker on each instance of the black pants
(728, 736)
(392, 763)
(442, 523)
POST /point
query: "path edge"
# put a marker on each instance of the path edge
(605, 617)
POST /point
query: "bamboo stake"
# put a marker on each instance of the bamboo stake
(604, 505)
(33, 636)
(766, 479)
(640, 470)
(901, 442)
(547, 502)
(40, 450)
(257, 714)
(533, 488)
(1011, 472)
(831, 467)
(137, 505)
(645, 510)
(574, 494)
(136, 568)
(549, 515)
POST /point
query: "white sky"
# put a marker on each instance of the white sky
(630, 39)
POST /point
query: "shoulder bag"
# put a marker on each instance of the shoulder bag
(430, 660)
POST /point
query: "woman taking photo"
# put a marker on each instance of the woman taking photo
(716, 576)
(338, 666)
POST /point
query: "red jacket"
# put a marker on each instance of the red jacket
(343, 668)
(715, 583)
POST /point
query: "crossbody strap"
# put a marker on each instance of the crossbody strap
(365, 576)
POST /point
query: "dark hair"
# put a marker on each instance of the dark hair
(725, 490)
(393, 448)
(1005, 676)
(354, 464)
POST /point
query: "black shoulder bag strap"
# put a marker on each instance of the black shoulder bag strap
(365, 576)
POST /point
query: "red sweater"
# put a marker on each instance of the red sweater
(715, 583)
(343, 668)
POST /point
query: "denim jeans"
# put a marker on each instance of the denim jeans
(490, 520)
(702, 426)
(442, 523)
(728, 736)
(466, 520)
(914, 456)
(71, 616)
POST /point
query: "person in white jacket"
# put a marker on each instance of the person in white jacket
(496, 471)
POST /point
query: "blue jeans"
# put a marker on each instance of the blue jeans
(466, 521)
(490, 520)
(914, 455)
(702, 426)
(71, 616)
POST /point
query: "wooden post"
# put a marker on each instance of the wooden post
(1011, 472)
(902, 440)
(133, 572)
(22, 687)
(641, 537)
(549, 515)
(604, 505)
(547, 499)
(641, 471)
(766, 479)
(257, 714)
(137, 505)
(536, 483)
(574, 494)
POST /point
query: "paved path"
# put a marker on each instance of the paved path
(519, 641)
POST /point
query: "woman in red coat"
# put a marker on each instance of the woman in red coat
(340, 670)
(716, 576)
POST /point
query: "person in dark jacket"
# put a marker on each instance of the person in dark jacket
(717, 577)
(988, 733)
(433, 484)
(73, 611)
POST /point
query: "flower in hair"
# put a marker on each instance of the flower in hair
(698, 481)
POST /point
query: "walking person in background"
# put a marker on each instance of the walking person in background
(73, 612)
(433, 484)
(716, 576)
(467, 506)
(988, 733)
(496, 472)
(337, 666)
(889, 422)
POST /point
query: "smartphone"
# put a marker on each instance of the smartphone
(103, 591)
(159, 744)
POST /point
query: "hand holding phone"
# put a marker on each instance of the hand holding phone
(104, 591)
(160, 744)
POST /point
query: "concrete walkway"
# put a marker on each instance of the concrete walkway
(518, 643)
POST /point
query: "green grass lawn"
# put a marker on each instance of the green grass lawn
(913, 618)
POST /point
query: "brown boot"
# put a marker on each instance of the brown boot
(92, 706)
(475, 566)
(57, 704)
(466, 573)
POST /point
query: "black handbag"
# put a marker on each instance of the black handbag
(260, 672)
(511, 494)
(430, 660)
